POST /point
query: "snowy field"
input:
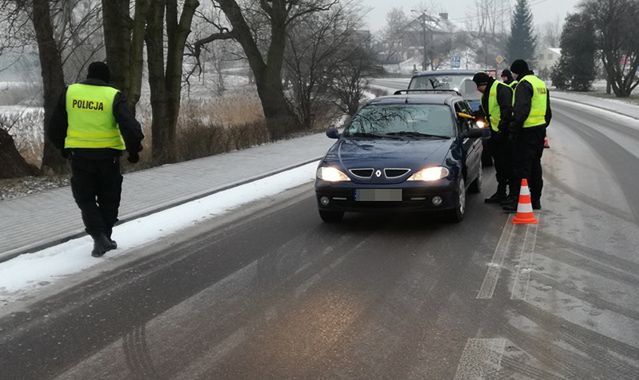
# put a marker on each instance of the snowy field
(25, 275)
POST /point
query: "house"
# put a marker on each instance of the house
(547, 58)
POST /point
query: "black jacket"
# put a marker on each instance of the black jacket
(523, 97)
(56, 129)
(505, 101)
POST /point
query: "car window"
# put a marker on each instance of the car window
(468, 90)
(443, 82)
(427, 119)
(464, 124)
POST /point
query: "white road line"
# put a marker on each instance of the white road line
(494, 267)
(481, 359)
(522, 275)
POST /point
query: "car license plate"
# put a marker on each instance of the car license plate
(378, 195)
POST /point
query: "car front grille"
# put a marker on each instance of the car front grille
(395, 172)
(362, 173)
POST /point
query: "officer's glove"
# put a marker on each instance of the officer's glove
(133, 157)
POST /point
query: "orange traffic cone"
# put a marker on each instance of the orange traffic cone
(525, 213)
(546, 142)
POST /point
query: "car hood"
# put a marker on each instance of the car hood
(413, 154)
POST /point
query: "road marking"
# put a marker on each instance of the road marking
(494, 267)
(522, 275)
(481, 359)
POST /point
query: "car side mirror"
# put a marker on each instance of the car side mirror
(476, 133)
(332, 133)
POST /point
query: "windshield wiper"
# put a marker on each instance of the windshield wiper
(416, 134)
(372, 135)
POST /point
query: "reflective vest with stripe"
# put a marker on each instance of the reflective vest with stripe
(494, 111)
(539, 102)
(90, 117)
(513, 84)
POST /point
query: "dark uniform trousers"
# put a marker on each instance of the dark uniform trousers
(96, 185)
(528, 147)
(501, 152)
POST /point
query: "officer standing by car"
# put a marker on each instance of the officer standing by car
(507, 78)
(531, 117)
(93, 126)
(496, 104)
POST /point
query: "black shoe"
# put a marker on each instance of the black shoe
(510, 207)
(114, 244)
(536, 205)
(101, 244)
(508, 201)
(496, 198)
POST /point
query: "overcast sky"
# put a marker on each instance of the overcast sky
(460, 10)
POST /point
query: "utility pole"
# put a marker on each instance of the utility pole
(425, 58)
(422, 18)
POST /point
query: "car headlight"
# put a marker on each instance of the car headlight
(430, 174)
(331, 174)
(481, 124)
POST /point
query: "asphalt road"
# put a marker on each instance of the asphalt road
(272, 293)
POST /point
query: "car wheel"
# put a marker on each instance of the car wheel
(456, 215)
(475, 187)
(331, 216)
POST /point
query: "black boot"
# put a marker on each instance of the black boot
(114, 244)
(536, 204)
(101, 244)
(499, 195)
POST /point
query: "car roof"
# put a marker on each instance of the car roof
(440, 98)
(445, 72)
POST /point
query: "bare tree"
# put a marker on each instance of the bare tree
(317, 45)
(124, 41)
(550, 33)
(165, 71)
(394, 36)
(266, 62)
(64, 33)
(52, 76)
(486, 25)
(616, 28)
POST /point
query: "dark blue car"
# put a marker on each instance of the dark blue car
(417, 152)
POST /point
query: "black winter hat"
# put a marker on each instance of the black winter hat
(99, 70)
(506, 73)
(481, 78)
(520, 67)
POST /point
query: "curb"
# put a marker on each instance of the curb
(594, 106)
(8, 255)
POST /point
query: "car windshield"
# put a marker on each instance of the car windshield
(459, 82)
(403, 120)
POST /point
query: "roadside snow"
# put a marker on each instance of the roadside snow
(28, 273)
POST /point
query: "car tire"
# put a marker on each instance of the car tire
(456, 215)
(475, 187)
(331, 216)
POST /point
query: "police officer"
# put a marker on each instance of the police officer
(496, 104)
(507, 78)
(93, 126)
(531, 116)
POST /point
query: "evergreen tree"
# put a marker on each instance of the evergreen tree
(522, 41)
(576, 68)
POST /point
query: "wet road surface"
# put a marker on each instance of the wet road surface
(273, 293)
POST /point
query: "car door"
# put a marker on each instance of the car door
(471, 147)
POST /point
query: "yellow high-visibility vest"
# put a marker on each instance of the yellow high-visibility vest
(539, 103)
(90, 118)
(494, 111)
(513, 84)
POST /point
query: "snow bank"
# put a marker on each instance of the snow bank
(29, 273)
